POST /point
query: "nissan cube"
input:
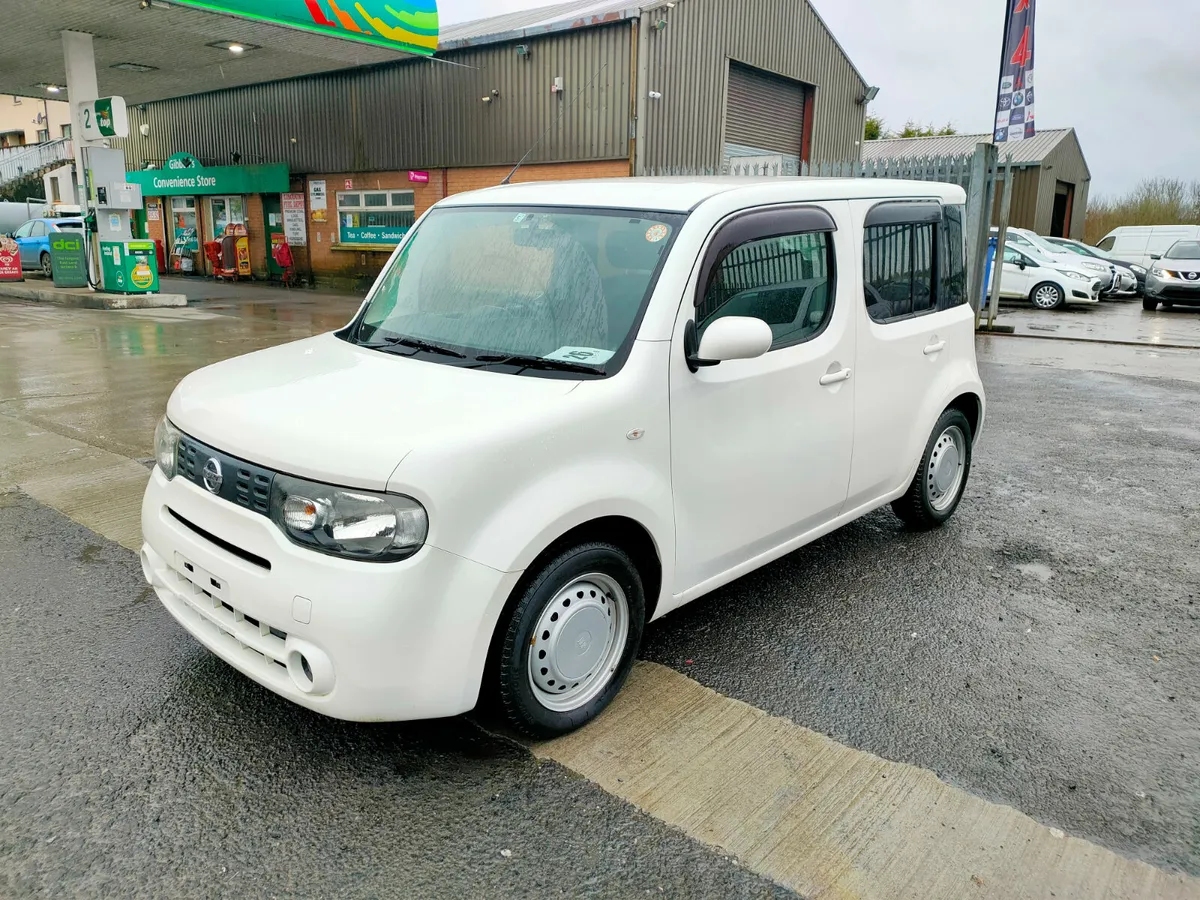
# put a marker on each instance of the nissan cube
(563, 411)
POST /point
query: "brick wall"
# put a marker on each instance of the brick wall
(324, 256)
(157, 229)
(330, 262)
(460, 180)
(256, 224)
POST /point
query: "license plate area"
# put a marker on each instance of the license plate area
(203, 582)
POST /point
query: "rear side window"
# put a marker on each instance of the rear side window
(914, 260)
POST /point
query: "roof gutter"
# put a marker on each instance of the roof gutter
(533, 31)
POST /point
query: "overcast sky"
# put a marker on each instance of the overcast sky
(1124, 73)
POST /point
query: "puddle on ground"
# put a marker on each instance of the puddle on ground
(1040, 571)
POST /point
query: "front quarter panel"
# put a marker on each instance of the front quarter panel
(500, 499)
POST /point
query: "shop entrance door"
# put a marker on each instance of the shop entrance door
(273, 213)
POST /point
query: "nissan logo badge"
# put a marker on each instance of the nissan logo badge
(213, 477)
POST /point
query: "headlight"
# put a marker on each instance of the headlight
(1078, 276)
(166, 447)
(1159, 273)
(1095, 267)
(343, 522)
(1137, 270)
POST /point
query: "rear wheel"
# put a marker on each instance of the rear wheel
(941, 478)
(1149, 304)
(1048, 296)
(571, 641)
(47, 267)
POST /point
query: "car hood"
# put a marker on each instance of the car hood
(328, 410)
(1178, 265)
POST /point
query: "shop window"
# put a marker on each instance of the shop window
(375, 217)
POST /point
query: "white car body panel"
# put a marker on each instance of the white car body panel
(725, 469)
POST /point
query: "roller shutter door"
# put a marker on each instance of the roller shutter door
(764, 111)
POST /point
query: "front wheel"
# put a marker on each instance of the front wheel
(1149, 304)
(1048, 296)
(941, 478)
(571, 640)
(46, 265)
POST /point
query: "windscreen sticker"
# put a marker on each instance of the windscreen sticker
(588, 356)
(519, 218)
(657, 233)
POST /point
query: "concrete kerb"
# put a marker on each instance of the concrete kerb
(87, 299)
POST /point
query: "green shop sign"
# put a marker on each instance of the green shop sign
(409, 25)
(183, 174)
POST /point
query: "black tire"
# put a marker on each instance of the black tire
(1045, 288)
(46, 266)
(1149, 304)
(514, 689)
(921, 508)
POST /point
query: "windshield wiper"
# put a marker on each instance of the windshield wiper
(417, 344)
(538, 362)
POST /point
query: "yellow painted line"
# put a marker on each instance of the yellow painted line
(825, 820)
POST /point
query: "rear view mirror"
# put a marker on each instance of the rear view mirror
(1156, 256)
(735, 337)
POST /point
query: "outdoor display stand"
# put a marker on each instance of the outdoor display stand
(10, 260)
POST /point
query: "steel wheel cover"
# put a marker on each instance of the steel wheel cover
(578, 642)
(946, 469)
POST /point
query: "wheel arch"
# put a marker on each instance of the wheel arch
(621, 531)
(970, 404)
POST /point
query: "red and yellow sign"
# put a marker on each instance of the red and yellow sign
(408, 25)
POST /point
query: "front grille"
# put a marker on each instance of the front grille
(1188, 295)
(243, 483)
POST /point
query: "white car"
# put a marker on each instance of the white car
(1043, 283)
(1140, 244)
(1037, 247)
(563, 411)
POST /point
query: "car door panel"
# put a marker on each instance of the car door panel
(904, 365)
(761, 448)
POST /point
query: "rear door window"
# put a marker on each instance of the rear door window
(913, 260)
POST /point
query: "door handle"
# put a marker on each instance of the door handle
(835, 377)
(935, 348)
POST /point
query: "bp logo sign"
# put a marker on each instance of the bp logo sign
(141, 276)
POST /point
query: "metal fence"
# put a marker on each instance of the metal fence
(34, 158)
(977, 173)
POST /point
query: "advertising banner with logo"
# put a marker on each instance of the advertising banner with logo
(1014, 110)
(10, 259)
(408, 25)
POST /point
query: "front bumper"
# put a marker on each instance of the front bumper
(351, 640)
(1173, 290)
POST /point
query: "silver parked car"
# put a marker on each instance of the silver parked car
(1174, 277)
(1132, 276)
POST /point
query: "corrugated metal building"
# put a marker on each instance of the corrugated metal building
(1050, 187)
(585, 88)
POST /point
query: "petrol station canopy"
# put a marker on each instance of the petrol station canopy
(165, 49)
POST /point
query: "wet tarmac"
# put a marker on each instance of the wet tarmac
(1041, 652)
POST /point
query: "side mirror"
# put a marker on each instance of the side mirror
(1022, 265)
(730, 338)
(1156, 256)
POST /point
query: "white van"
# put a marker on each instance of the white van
(564, 410)
(1142, 243)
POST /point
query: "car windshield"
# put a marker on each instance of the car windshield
(1015, 239)
(1184, 250)
(552, 288)
(1074, 248)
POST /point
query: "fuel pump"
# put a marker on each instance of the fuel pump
(126, 266)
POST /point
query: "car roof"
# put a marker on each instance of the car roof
(685, 194)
